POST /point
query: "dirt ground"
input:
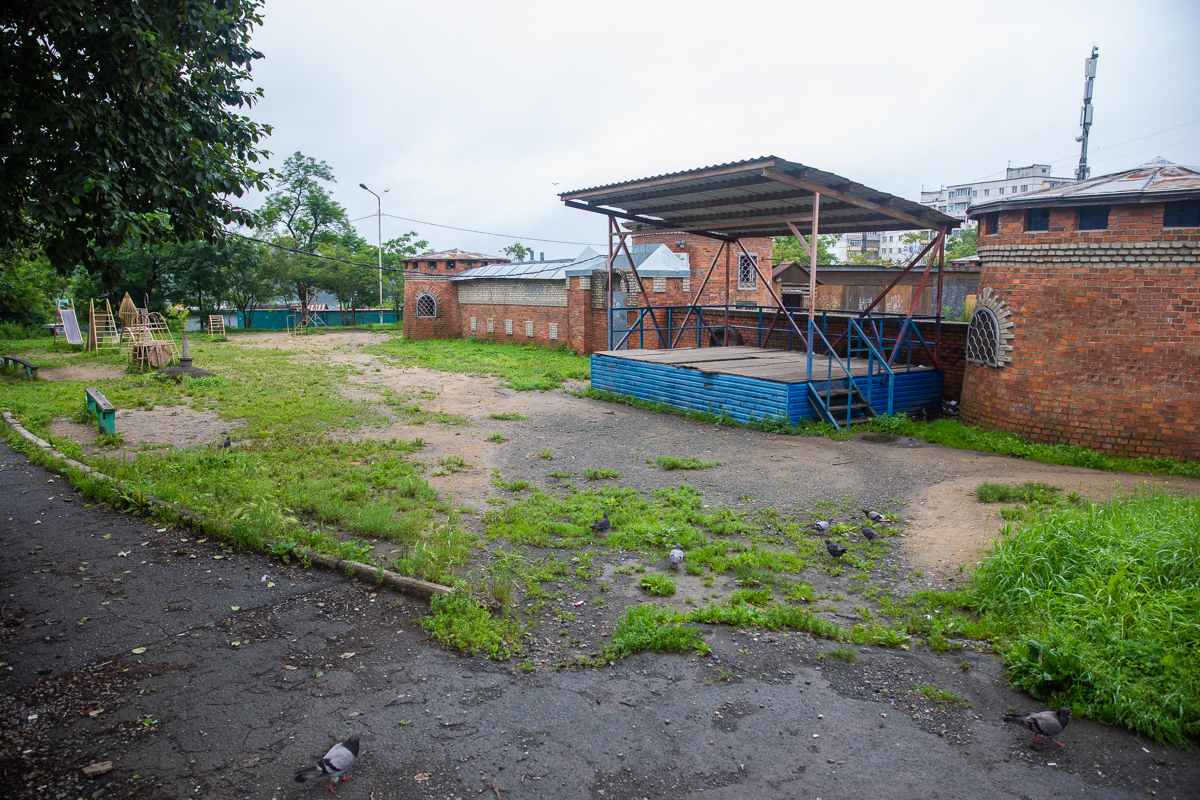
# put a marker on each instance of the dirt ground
(227, 702)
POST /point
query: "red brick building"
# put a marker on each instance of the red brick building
(470, 295)
(1087, 327)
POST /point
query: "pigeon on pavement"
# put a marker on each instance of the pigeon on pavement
(602, 525)
(821, 526)
(335, 763)
(870, 533)
(1044, 723)
(874, 516)
(676, 557)
(835, 549)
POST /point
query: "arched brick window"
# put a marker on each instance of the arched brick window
(427, 306)
(990, 331)
(983, 338)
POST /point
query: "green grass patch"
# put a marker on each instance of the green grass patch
(841, 654)
(675, 462)
(1028, 492)
(521, 367)
(649, 628)
(507, 415)
(1098, 609)
(458, 620)
(953, 433)
(942, 696)
(600, 474)
(497, 438)
(657, 585)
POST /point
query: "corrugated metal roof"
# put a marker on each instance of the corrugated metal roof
(1152, 182)
(755, 198)
(652, 260)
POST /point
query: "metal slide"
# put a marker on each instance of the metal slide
(71, 326)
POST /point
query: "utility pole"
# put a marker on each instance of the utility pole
(1085, 114)
(379, 217)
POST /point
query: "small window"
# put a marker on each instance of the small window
(1093, 218)
(1182, 214)
(1038, 219)
(508, 327)
(983, 338)
(747, 274)
(433, 265)
(474, 326)
(553, 330)
(426, 306)
(1025, 187)
(991, 223)
(987, 192)
(450, 265)
(529, 328)
(1000, 190)
(491, 325)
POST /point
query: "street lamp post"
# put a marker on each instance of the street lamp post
(379, 218)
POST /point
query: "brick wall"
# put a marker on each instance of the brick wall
(542, 318)
(446, 324)
(1106, 351)
(513, 292)
(700, 256)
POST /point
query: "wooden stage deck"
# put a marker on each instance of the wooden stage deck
(752, 383)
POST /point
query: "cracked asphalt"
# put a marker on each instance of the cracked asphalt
(252, 668)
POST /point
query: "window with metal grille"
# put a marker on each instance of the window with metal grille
(983, 338)
(491, 325)
(1093, 218)
(426, 305)
(1182, 214)
(553, 330)
(508, 327)
(529, 328)
(1038, 219)
(747, 275)
(473, 325)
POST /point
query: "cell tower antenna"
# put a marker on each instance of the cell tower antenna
(1085, 114)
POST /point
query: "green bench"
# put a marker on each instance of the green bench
(12, 362)
(106, 414)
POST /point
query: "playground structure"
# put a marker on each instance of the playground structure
(65, 323)
(216, 326)
(299, 323)
(151, 341)
(102, 329)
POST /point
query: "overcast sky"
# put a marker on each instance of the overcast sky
(477, 114)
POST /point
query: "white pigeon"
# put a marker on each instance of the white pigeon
(676, 557)
(334, 764)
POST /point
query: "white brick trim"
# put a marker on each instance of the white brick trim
(529, 328)
(553, 330)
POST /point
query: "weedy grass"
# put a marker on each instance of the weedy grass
(942, 696)
(657, 585)
(1028, 492)
(953, 433)
(689, 462)
(841, 654)
(1098, 608)
(650, 628)
(521, 367)
(600, 474)
(458, 620)
(506, 415)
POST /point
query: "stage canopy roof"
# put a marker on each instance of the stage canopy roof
(753, 198)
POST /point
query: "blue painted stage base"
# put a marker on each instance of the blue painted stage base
(751, 399)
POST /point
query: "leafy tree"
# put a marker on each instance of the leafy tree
(142, 270)
(786, 248)
(354, 286)
(304, 215)
(964, 245)
(394, 253)
(252, 280)
(118, 123)
(28, 287)
(200, 271)
(517, 251)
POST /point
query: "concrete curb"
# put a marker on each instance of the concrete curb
(364, 572)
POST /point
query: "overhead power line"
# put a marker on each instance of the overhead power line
(315, 255)
(483, 233)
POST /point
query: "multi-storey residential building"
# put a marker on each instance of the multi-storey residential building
(954, 200)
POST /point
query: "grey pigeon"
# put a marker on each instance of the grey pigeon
(1044, 723)
(821, 526)
(676, 557)
(835, 549)
(225, 443)
(334, 764)
(870, 533)
(874, 516)
(602, 525)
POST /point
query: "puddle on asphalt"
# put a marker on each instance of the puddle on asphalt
(877, 438)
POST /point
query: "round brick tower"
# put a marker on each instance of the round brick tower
(1087, 328)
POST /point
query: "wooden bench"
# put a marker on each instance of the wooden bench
(106, 415)
(13, 361)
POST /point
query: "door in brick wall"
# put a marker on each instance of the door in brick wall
(620, 320)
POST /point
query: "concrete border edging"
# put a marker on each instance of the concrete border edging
(364, 572)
